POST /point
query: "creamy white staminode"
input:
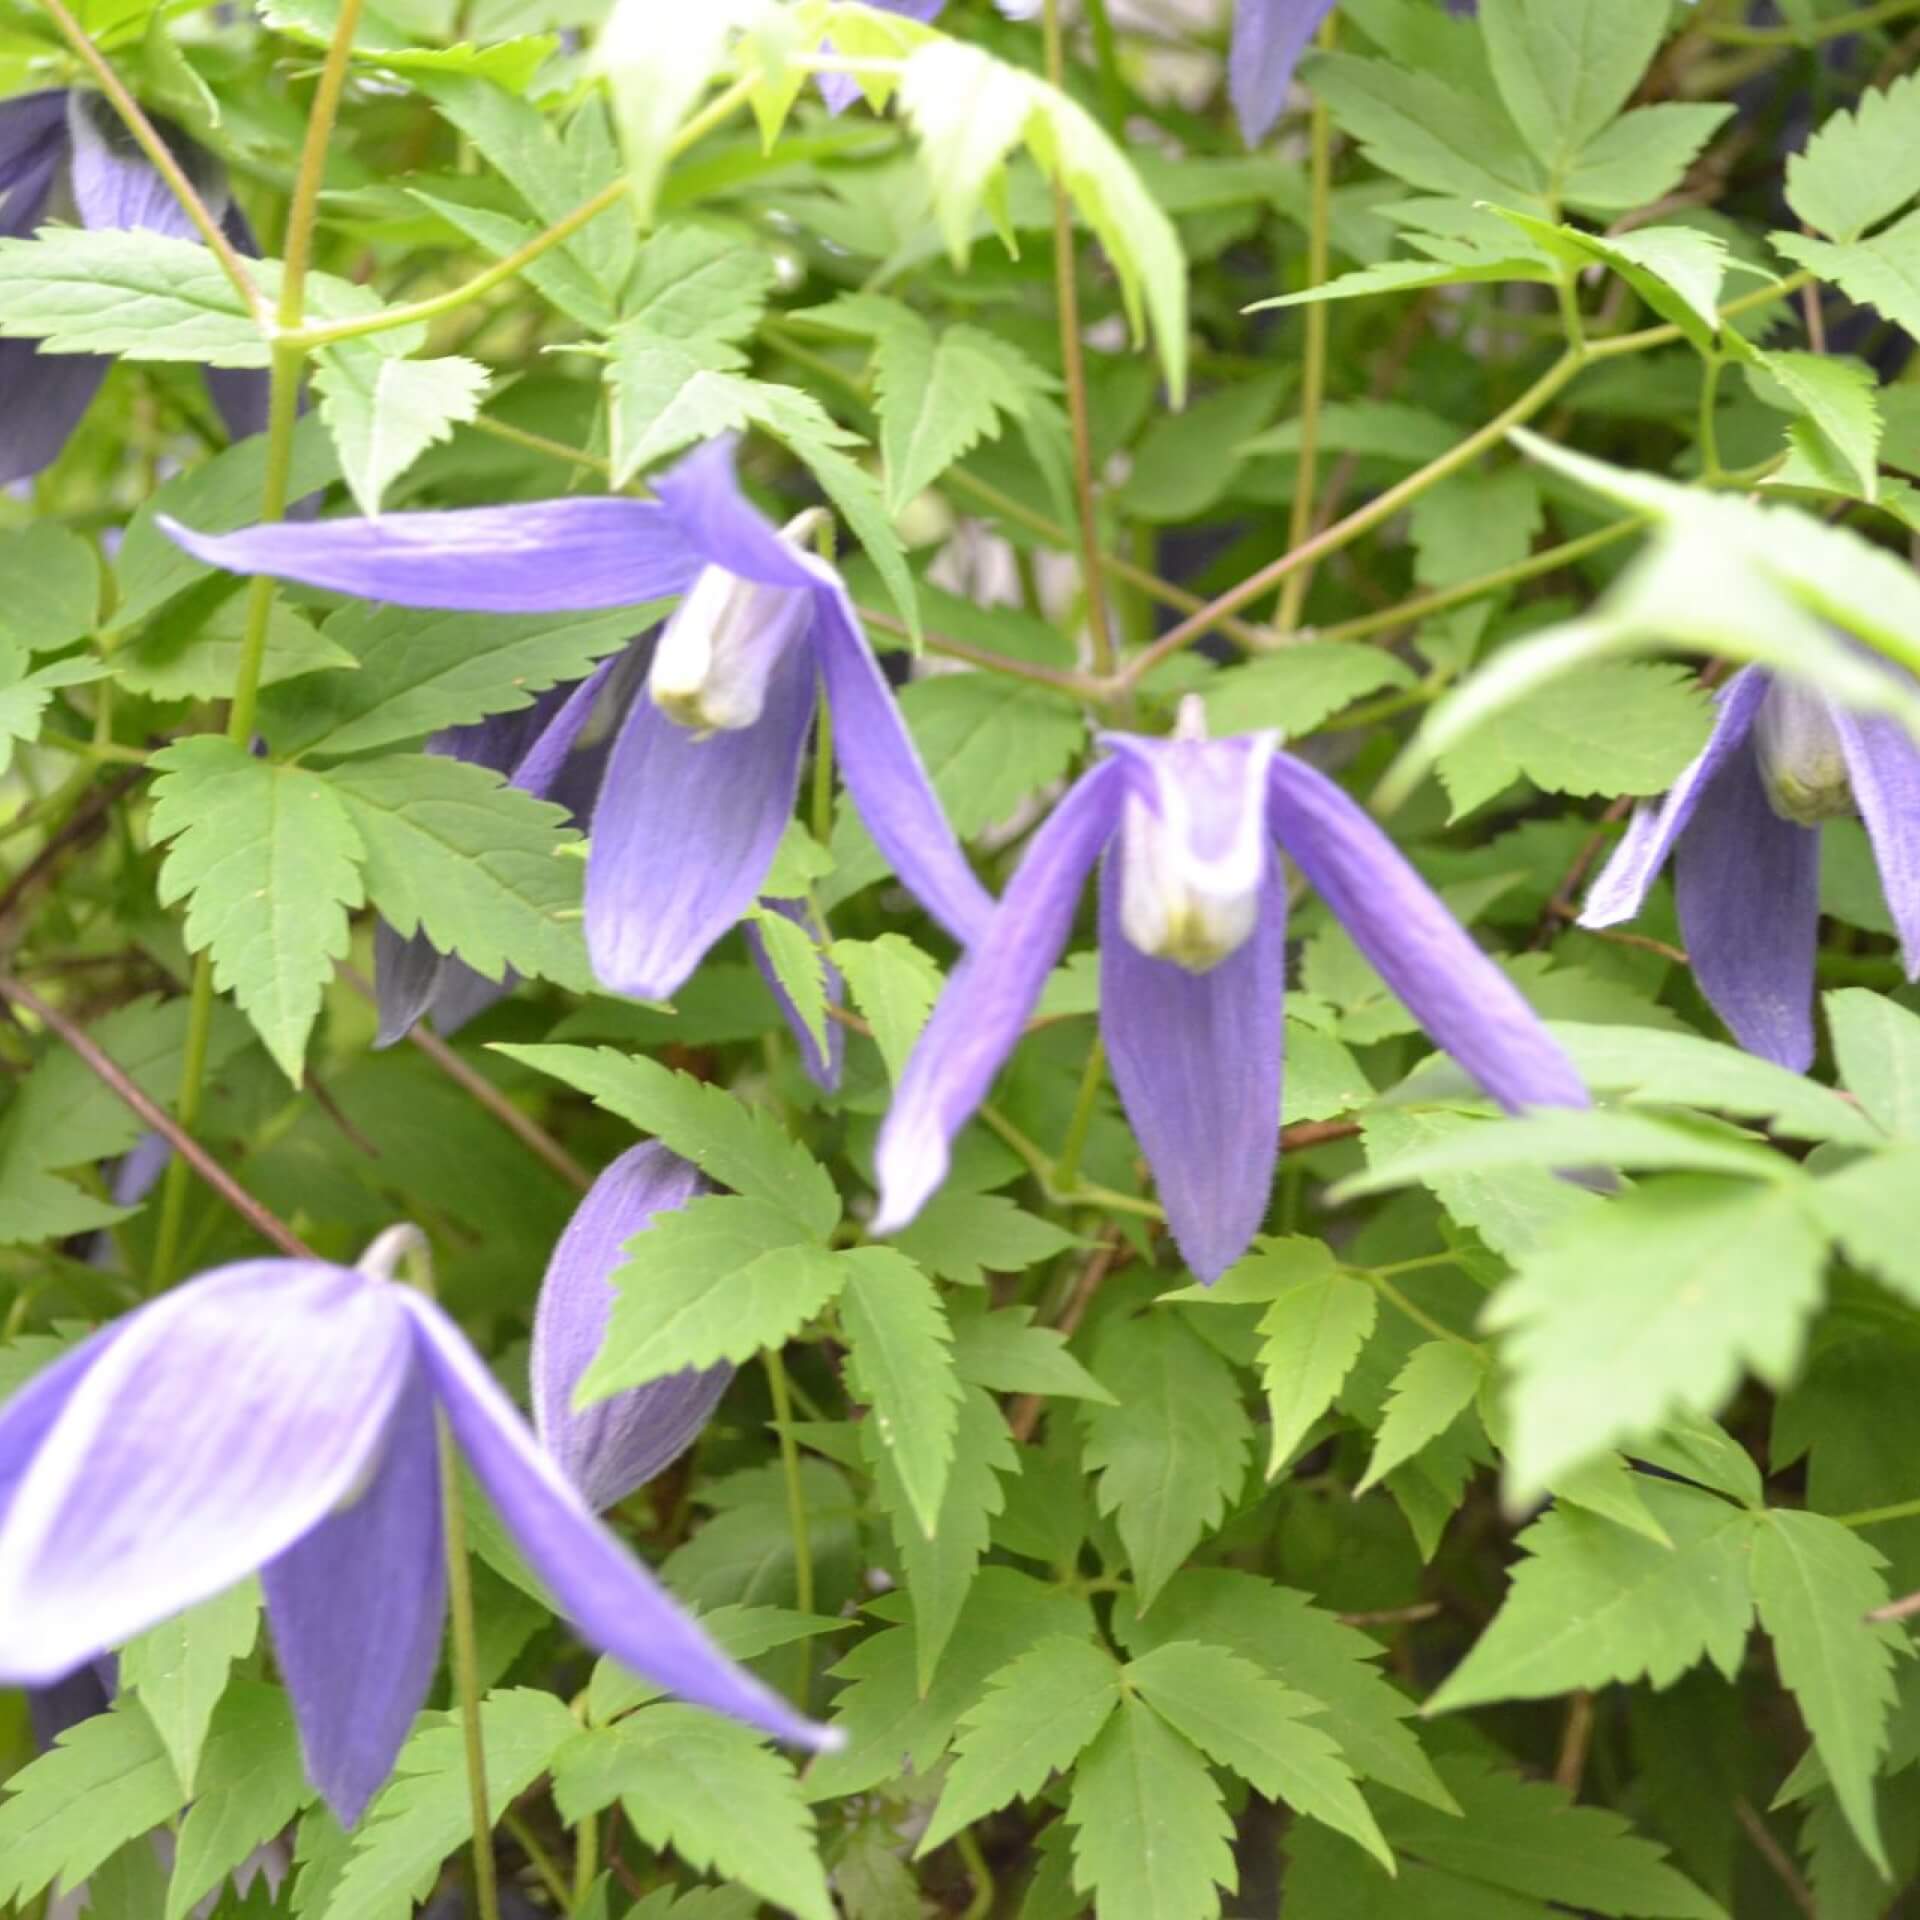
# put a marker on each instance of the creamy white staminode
(717, 652)
(1802, 763)
(1193, 857)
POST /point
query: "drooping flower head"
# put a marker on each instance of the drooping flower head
(1743, 827)
(281, 1416)
(66, 154)
(1193, 973)
(617, 1444)
(701, 780)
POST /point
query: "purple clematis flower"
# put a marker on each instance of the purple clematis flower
(701, 780)
(282, 1415)
(1193, 973)
(1743, 827)
(66, 153)
(618, 1444)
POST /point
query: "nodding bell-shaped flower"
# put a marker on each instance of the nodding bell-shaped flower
(1193, 973)
(1742, 825)
(688, 815)
(66, 155)
(615, 1445)
(282, 1416)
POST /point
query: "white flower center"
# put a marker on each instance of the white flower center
(1802, 763)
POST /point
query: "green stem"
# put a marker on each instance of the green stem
(822, 808)
(796, 1486)
(1066, 292)
(1861, 20)
(1066, 1170)
(544, 1863)
(1106, 60)
(303, 210)
(1042, 1169)
(161, 155)
(586, 1857)
(968, 1848)
(1313, 378)
(466, 1675)
(1880, 1516)
(1709, 431)
(1420, 1317)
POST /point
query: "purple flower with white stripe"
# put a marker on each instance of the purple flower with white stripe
(617, 1444)
(66, 153)
(702, 777)
(1193, 973)
(281, 1416)
(1743, 827)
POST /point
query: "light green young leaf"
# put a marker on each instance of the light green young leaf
(1430, 1392)
(1039, 1714)
(1409, 276)
(963, 1237)
(25, 694)
(1862, 165)
(894, 984)
(179, 1670)
(1841, 397)
(718, 1279)
(796, 962)
(385, 412)
(1642, 156)
(1150, 1834)
(1566, 67)
(900, 1350)
(970, 111)
(745, 1148)
(1594, 1603)
(708, 1788)
(49, 587)
(1877, 1044)
(269, 861)
(252, 1781)
(1882, 271)
(1173, 1449)
(1299, 688)
(1241, 1718)
(382, 41)
(476, 865)
(105, 1782)
(1813, 1582)
(1604, 1345)
(1310, 1651)
(425, 1811)
(693, 281)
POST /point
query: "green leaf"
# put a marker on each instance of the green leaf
(1310, 1651)
(1150, 1835)
(1642, 156)
(25, 695)
(1406, 276)
(1300, 688)
(1316, 1321)
(1172, 1450)
(1603, 1345)
(1862, 165)
(1621, 726)
(718, 1279)
(385, 412)
(421, 671)
(1813, 1581)
(1437, 1385)
(105, 1782)
(252, 1781)
(745, 1148)
(179, 1670)
(900, 1349)
(1511, 1846)
(891, 1721)
(709, 1789)
(796, 962)
(963, 1237)
(664, 392)
(1868, 1208)
(382, 40)
(49, 587)
(1841, 398)
(1877, 1045)
(969, 111)
(894, 984)
(192, 651)
(1039, 1714)
(1240, 1718)
(1566, 67)
(740, 1632)
(1594, 1603)
(694, 281)
(1882, 271)
(1003, 1352)
(454, 852)
(269, 862)
(424, 1811)
(940, 1564)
